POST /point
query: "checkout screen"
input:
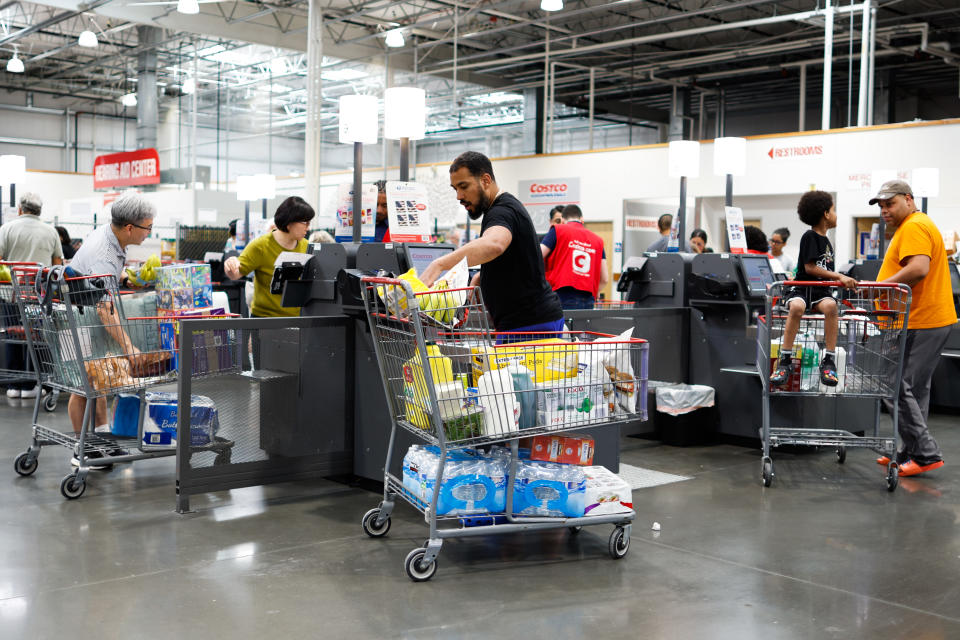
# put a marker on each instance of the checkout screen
(757, 274)
(421, 256)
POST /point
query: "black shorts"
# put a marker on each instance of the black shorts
(809, 295)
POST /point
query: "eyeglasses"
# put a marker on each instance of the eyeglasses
(777, 242)
(150, 228)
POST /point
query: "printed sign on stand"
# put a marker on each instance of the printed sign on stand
(540, 196)
(736, 236)
(368, 202)
(408, 211)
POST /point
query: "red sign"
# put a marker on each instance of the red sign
(126, 169)
(796, 151)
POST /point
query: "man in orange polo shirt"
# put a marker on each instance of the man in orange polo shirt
(916, 257)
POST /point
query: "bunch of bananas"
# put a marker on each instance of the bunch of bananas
(147, 274)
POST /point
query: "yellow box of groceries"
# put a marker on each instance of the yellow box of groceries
(547, 360)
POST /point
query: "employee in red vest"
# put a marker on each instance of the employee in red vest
(576, 263)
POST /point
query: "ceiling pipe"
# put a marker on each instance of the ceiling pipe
(53, 20)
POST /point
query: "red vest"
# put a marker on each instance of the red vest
(576, 260)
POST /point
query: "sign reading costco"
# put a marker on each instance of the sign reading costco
(540, 196)
(795, 151)
(126, 169)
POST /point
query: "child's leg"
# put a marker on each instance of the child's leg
(828, 307)
(796, 308)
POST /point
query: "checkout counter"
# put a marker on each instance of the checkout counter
(945, 388)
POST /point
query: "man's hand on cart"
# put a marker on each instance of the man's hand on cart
(232, 268)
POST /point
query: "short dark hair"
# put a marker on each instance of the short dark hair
(232, 228)
(381, 186)
(293, 209)
(812, 206)
(475, 162)
(664, 222)
(783, 232)
(557, 209)
(699, 233)
(756, 239)
(572, 212)
(64, 235)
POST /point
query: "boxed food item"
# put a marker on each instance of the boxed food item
(184, 286)
(606, 493)
(170, 328)
(160, 421)
(570, 402)
(565, 449)
(548, 360)
(472, 482)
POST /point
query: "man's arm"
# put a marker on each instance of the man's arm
(545, 250)
(490, 245)
(822, 274)
(604, 274)
(55, 260)
(913, 270)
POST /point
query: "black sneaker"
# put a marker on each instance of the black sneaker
(783, 372)
(91, 456)
(828, 372)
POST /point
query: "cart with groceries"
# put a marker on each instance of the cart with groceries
(871, 341)
(81, 342)
(501, 420)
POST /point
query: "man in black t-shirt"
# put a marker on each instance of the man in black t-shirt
(511, 278)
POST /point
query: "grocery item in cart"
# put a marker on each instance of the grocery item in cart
(495, 394)
(416, 394)
(551, 490)
(109, 373)
(569, 402)
(472, 482)
(548, 360)
(160, 421)
(615, 356)
(606, 492)
(571, 448)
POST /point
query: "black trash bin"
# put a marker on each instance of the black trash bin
(685, 415)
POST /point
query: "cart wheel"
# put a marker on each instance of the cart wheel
(841, 454)
(619, 543)
(575, 530)
(767, 472)
(23, 465)
(893, 477)
(50, 402)
(416, 570)
(369, 524)
(70, 488)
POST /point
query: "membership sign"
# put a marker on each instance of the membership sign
(368, 202)
(408, 211)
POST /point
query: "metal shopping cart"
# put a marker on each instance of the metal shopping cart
(81, 342)
(18, 366)
(430, 348)
(872, 328)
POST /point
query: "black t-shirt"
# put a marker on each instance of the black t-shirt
(513, 284)
(817, 249)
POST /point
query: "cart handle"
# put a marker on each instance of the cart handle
(175, 318)
(833, 283)
(381, 280)
(14, 263)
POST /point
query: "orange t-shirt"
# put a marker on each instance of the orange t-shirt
(932, 300)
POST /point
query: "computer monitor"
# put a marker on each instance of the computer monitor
(757, 274)
(419, 256)
(954, 277)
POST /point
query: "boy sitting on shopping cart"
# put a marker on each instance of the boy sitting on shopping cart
(815, 263)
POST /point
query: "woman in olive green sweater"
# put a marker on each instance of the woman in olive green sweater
(292, 220)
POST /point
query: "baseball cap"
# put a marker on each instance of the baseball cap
(892, 188)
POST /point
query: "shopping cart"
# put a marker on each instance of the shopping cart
(872, 331)
(12, 338)
(432, 348)
(81, 342)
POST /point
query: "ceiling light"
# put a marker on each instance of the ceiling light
(551, 5)
(188, 6)
(394, 38)
(15, 64)
(129, 100)
(189, 86)
(278, 66)
(342, 75)
(87, 39)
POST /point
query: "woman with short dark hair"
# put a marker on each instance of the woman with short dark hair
(292, 220)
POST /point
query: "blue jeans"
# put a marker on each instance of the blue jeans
(525, 334)
(571, 298)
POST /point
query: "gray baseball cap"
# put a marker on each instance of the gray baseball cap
(892, 188)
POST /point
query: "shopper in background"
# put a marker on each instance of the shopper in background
(231, 244)
(698, 240)
(664, 223)
(916, 257)
(511, 276)
(26, 239)
(383, 222)
(322, 237)
(66, 243)
(292, 220)
(576, 263)
(556, 216)
(778, 240)
(104, 252)
(816, 262)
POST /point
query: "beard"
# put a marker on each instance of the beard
(480, 208)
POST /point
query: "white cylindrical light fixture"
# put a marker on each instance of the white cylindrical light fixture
(129, 100)
(189, 7)
(394, 38)
(358, 119)
(12, 169)
(15, 64)
(404, 113)
(551, 5)
(925, 182)
(87, 39)
(189, 86)
(247, 188)
(730, 156)
(683, 159)
(266, 185)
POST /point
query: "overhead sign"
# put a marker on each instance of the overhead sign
(795, 151)
(126, 169)
(540, 196)
(644, 223)
(408, 211)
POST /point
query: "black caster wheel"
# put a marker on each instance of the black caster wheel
(416, 569)
(50, 402)
(575, 530)
(619, 543)
(767, 472)
(369, 524)
(893, 477)
(841, 454)
(71, 488)
(23, 465)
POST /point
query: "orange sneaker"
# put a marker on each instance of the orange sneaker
(883, 460)
(911, 468)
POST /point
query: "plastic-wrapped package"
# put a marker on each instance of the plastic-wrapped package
(551, 490)
(472, 483)
(160, 421)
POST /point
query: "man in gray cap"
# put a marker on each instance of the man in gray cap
(916, 257)
(26, 239)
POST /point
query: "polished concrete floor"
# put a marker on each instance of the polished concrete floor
(826, 552)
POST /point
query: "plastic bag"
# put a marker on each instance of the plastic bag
(678, 399)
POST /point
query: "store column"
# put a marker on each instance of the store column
(313, 139)
(679, 114)
(147, 109)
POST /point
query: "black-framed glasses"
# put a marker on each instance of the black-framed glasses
(150, 228)
(776, 242)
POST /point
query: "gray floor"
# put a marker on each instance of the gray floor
(826, 553)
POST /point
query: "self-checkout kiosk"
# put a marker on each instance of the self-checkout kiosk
(945, 387)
